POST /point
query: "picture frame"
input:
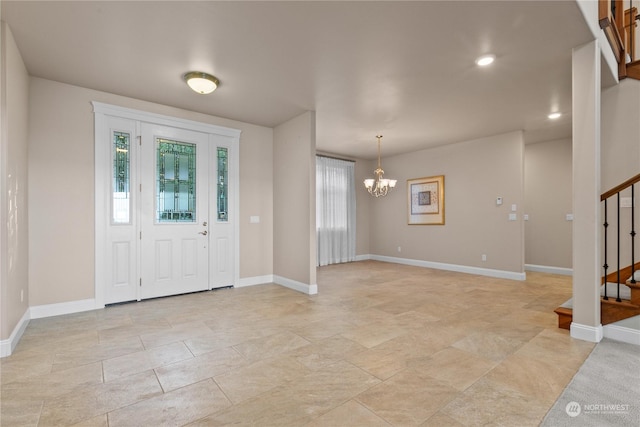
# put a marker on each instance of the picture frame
(425, 200)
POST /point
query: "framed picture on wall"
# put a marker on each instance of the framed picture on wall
(425, 200)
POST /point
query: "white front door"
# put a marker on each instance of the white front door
(166, 205)
(174, 226)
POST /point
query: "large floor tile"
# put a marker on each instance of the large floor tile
(196, 369)
(351, 413)
(252, 380)
(139, 361)
(489, 345)
(408, 398)
(538, 379)
(54, 384)
(488, 404)
(300, 402)
(176, 408)
(269, 346)
(457, 368)
(326, 352)
(92, 401)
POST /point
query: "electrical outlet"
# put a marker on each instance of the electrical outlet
(484, 257)
(399, 248)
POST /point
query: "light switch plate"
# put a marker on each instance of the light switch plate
(513, 217)
(254, 219)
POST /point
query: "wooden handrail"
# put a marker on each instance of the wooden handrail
(618, 188)
(619, 34)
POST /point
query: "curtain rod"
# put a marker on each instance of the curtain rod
(335, 158)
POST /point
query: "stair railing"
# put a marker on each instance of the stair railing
(619, 27)
(615, 192)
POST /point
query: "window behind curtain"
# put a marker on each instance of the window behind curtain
(335, 211)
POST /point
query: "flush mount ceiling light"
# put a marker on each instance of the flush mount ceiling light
(554, 116)
(200, 82)
(485, 60)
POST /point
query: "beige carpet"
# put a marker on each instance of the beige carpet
(604, 392)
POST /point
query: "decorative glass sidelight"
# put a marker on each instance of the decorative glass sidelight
(223, 185)
(121, 197)
(175, 181)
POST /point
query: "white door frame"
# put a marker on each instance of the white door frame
(103, 113)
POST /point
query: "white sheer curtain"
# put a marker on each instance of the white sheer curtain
(335, 211)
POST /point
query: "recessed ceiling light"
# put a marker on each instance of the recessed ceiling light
(485, 60)
(200, 82)
(554, 116)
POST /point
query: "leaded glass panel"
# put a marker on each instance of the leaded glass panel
(121, 198)
(223, 186)
(175, 181)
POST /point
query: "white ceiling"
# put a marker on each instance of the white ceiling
(402, 69)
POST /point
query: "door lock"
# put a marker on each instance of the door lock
(204, 233)
(204, 224)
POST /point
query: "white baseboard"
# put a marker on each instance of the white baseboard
(7, 346)
(501, 274)
(48, 310)
(586, 333)
(549, 269)
(256, 280)
(295, 285)
(363, 257)
(620, 333)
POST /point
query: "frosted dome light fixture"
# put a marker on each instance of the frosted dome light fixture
(200, 82)
(485, 60)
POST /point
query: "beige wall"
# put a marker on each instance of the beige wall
(61, 176)
(620, 159)
(14, 97)
(548, 199)
(620, 152)
(294, 199)
(476, 173)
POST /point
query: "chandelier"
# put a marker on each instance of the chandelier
(379, 186)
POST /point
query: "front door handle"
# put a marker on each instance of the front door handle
(204, 233)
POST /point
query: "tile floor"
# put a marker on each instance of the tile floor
(381, 344)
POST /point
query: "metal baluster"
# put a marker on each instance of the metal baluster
(605, 266)
(618, 275)
(633, 235)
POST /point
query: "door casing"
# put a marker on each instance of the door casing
(123, 240)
